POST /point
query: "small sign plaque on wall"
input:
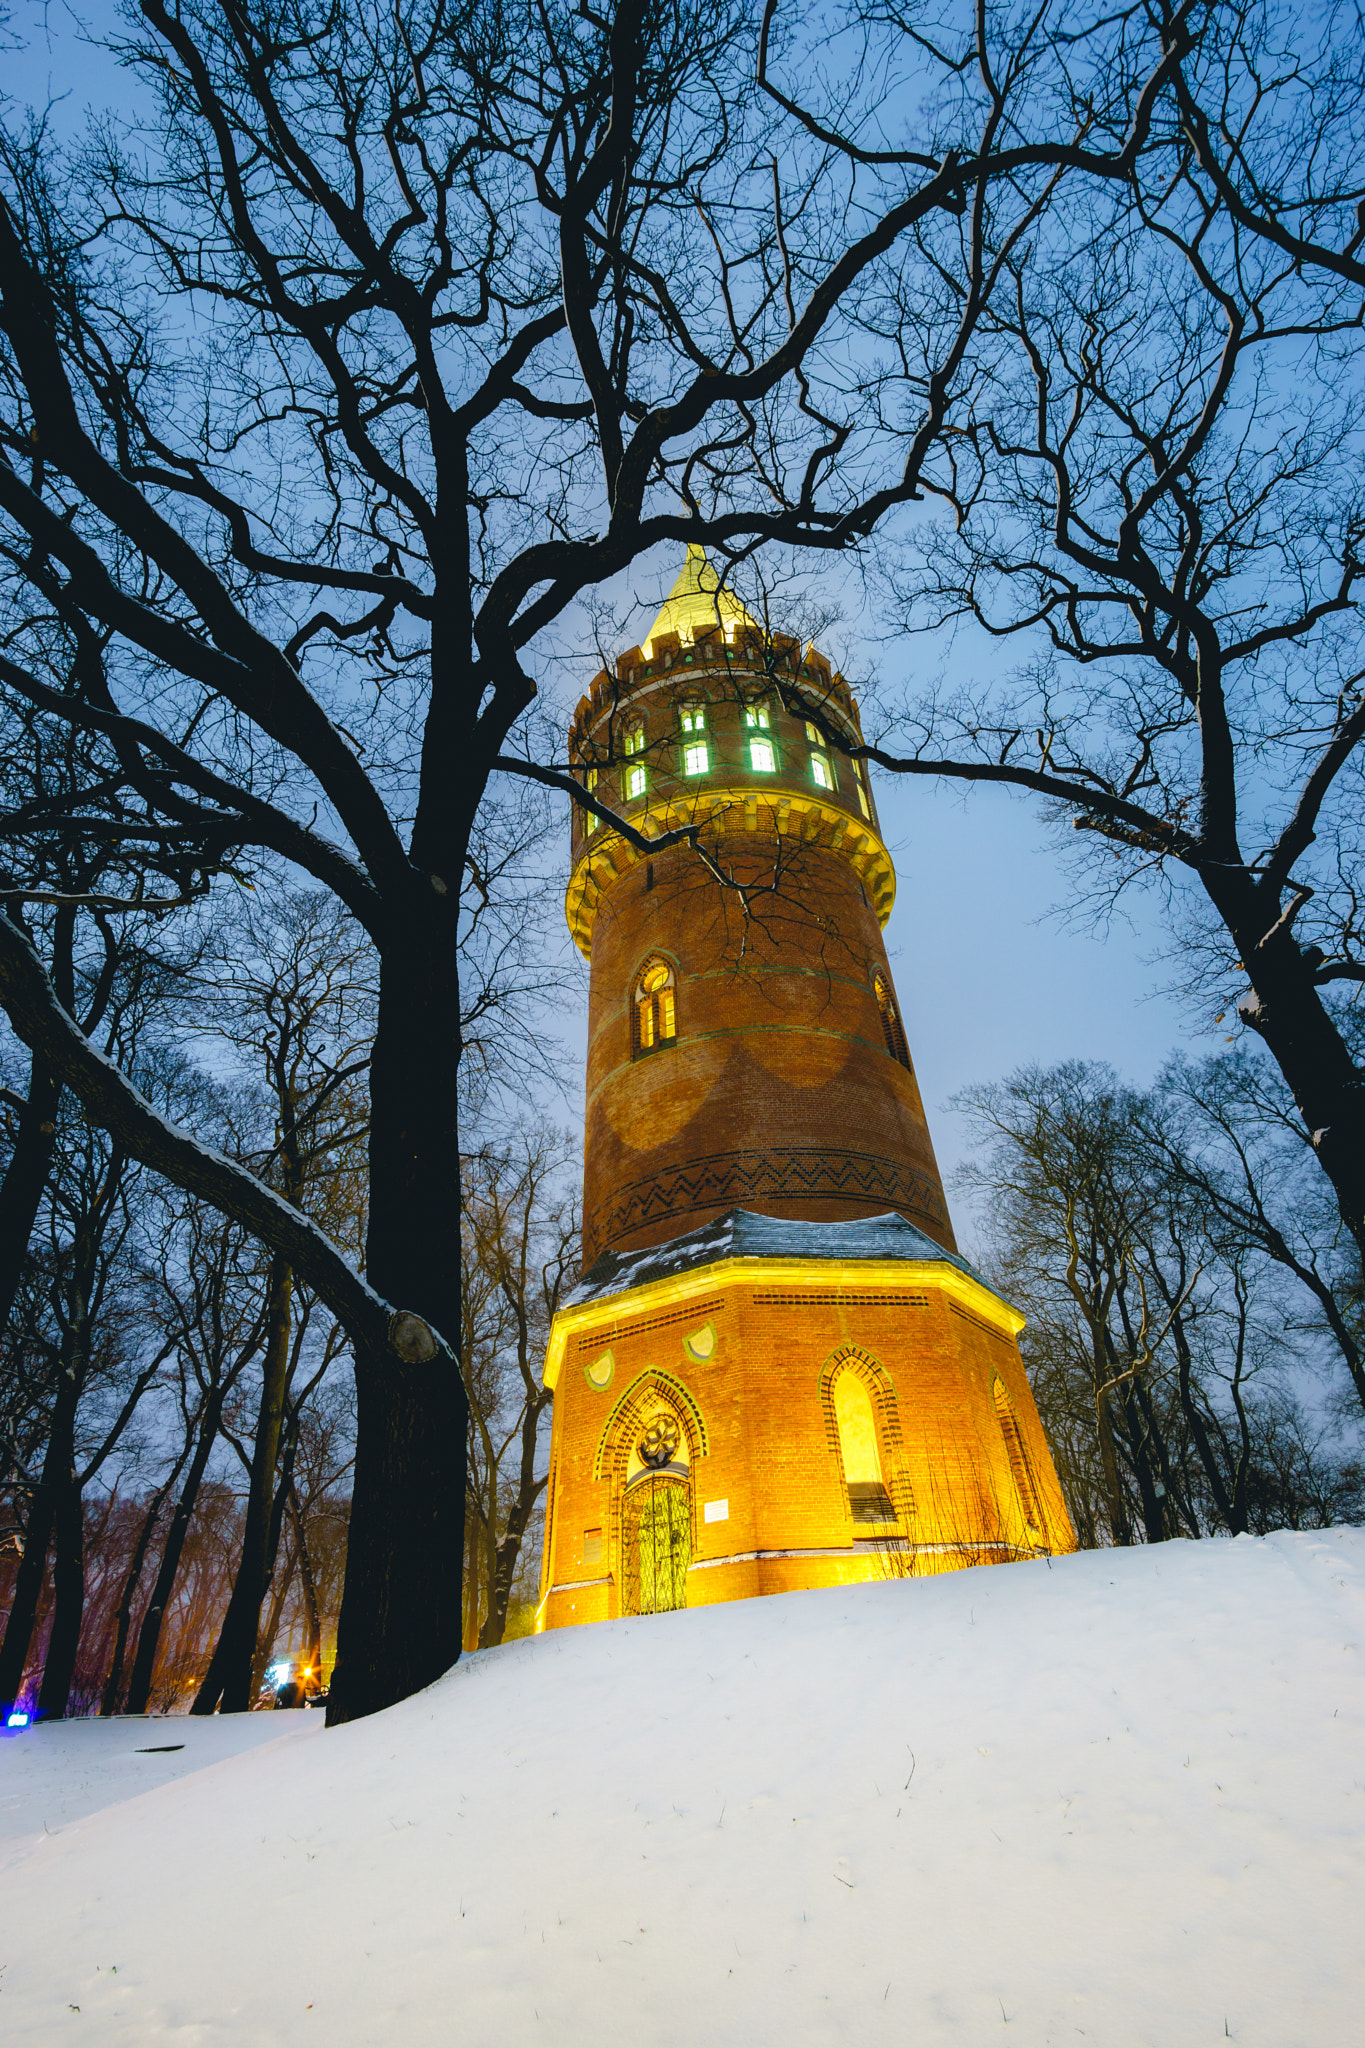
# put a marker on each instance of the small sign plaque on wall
(716, 1511)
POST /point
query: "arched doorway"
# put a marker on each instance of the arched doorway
(656, 1521)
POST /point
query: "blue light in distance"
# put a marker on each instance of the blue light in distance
(17, 1721)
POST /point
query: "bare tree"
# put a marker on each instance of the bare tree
(293, 993)
(1156, 488)
(520, 1251)
(1167, 1342)
(77, 1318)
(1066, 1175)
(320, 407)
(207, 1300)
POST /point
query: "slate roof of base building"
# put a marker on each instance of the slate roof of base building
(741, 1234)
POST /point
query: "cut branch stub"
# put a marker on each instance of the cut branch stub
(412, 1339)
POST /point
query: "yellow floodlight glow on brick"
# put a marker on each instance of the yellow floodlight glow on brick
(782, 1373)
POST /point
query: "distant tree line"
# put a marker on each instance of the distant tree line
(177, 1409)
(1196, 1322)
(341, 382)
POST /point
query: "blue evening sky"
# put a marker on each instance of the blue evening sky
(987, 977)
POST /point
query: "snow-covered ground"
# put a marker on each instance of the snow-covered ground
(65, 1770)
(1117, 1800)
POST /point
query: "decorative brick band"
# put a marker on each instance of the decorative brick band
(1000, 1336)
(737, 1180)
(621, 1333)
(843, 1297)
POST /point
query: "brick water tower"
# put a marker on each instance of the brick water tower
(777, 1371)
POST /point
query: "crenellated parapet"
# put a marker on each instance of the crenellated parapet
(707, 724)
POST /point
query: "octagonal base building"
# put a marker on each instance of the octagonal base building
(777, 1371)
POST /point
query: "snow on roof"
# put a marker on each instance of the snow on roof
(742, 1234)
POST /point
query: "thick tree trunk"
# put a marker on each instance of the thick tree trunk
(149, 1635)
(68, 1576)
(56, 1474)
(21, 1191)
(232, 1667)
(401, 1614)
(1285, 1007)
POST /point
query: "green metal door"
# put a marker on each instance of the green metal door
(658, 1546)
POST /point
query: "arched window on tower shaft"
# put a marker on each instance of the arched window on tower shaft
(868, 1498)
(1021, 1465)
(891, 1021)
(654, 1013)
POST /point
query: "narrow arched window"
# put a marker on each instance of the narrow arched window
(868, 1498)
(635, 775)
(694, 746)
(891, 1021)
(1021, 1465)
(655, 1007)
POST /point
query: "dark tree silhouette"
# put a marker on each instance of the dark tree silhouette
(393, 335)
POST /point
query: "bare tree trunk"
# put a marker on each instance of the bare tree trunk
(113, 1684)
(68, 1576)
(519, 1514)
(1136, 1438)
(230, 1672)
(1203, 1443)
(21, 1191)
(401, 1611)
(1285, 1007)
(57, 1464)
(504, 1571)
(312, 1616)
(1119, 1524)
(149, 1635)
(266, 1643)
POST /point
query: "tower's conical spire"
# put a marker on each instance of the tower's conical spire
(695, 603)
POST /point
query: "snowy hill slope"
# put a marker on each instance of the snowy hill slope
(1118, 1800)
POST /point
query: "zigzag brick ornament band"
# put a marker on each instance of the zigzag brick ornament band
(781, 1174)
(783, 1372)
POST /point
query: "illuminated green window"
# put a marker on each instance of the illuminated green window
(821, 771)
(635, 739)
(636, 781)
(696, 758)
(762, 757)
(591, 821)
(812, 735)
(692, 717)
(862, 799)
(756, 714)
(861, 775)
